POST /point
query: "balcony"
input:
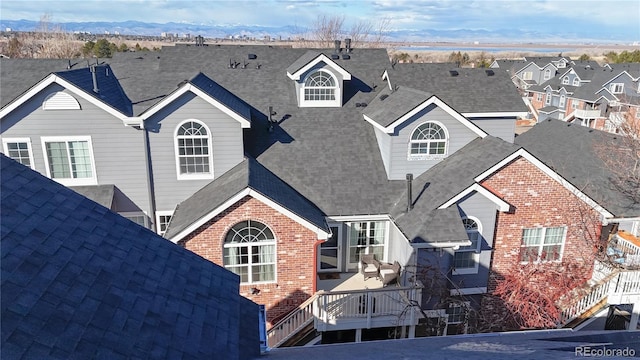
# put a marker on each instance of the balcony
(587, 114)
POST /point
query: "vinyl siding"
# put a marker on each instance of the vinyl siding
(226, 139)
(459, 136)
(384, 144)
(118, 150)
(483, 209)
(504, 129)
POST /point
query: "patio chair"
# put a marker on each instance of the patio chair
(369, 266)
(389, 272)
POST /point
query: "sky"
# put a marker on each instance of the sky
(620, 18)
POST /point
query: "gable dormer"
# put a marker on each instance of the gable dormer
(319, 81)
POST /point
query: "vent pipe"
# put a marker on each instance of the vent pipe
(347, 45)
(409, 192)
(336, 44)
(94, 78)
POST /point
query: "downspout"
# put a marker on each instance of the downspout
(150, 187)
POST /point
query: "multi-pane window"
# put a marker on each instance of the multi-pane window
(70, 160)
(320, 86)
(428, 139)
(547, 99)
(539, 97)
(466, 257)
(457, 317)
(527, 75)
(163, 218)
(565, 80)
(250, 252)
(542, 244)
(547, 74)
(367, 237)
(193, 148)
(19, 150)
(616, 88)
(576, 82)
(563, 98)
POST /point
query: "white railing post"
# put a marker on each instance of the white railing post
(369, 308)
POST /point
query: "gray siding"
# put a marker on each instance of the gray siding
(459, 136)
(321, 65)
(484, 210)
(118, 150)
(384, 144)
(536, 74)
(504, 129)
(226, 139)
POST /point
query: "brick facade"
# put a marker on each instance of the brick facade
(295, 270)
(539, 201)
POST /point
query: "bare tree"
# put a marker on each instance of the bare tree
(363, 33)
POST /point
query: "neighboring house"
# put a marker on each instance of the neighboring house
(288, 166)
(79, 281)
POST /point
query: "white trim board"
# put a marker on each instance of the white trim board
(503, 206)
(321, 234)
(320, 58)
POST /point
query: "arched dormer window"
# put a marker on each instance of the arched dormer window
(194, 156)
(428, 140)
(465, 259)
(547, 74)
(565, 80)
(576, 82)
(321, 89)
(250, 252)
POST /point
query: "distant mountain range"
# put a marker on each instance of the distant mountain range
(288, 31)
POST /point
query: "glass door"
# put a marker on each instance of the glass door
(329, 255)
(366, 238)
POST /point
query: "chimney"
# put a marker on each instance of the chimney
(409, 192)
(336, 44)
(94, 78)
(347, 45)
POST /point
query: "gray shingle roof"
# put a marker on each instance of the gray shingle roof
(79, 281)
(248, 174)
(102, 194)
(391, 105)
(470, 91)
(444, 181)
(213, 89)
(572, 151)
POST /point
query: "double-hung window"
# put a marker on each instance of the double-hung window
(162, 221)
(465, 259)
(69, 160)
(250, 252)
(194, 158)
(429, 140)
(616, 88)
(19, 149)
(565, 80)
(542, 244)
(457, 317)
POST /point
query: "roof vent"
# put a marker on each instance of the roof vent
(383, 96)
(346, 57)
(453, 73)
(335, 56)
(347, 45)
(94, 79)
(489, 72)
(252, 56)
(336, 44)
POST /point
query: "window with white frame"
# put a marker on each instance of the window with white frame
(194, 156)
(162, 221)
(616, 88)
(563, 99)
(542, 244)
(547, 74)
(69, 160)
(547, 99)
(565, 80)
(19, 149)
(465, 259)
(428, 140)
(137, 217)
(367, 237)
(527, 75)
(539, 97)
(576, 82)
(457, 317)
(321, 88)
(575, 104)
(250, 252)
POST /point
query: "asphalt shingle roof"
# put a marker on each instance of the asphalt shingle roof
(573, 152)
(391, 105)
(102, 194)
(79, 281)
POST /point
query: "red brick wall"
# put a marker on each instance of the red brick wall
(539, 201)
(295, 250)
(535, 103)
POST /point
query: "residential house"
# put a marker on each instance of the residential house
(532, 70)
(80, 281)
(292, 167)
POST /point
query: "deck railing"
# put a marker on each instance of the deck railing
(295, 321)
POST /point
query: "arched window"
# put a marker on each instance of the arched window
(320, 86)
(565, 80)
(250, 252)
(547, 74)
(473, 232)
(428, 139)
(576, 82)
(193, 151)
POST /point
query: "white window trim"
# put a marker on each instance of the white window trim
(158, 215)
(60, 101)
(322, 103)
(613, 86)
(476, 251)
(547, 99)
(542, 236)
(5, 147)
(128, 214)
(527, 75)
(547, 74)
(575, 104)
(563, 101)
(565, 80)
(576, 82)
(539, 97)
(199, 176)
(338, 249)
(465, 307)
(71, 181)
(411, 156)
(385, 247)
(274, 243)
